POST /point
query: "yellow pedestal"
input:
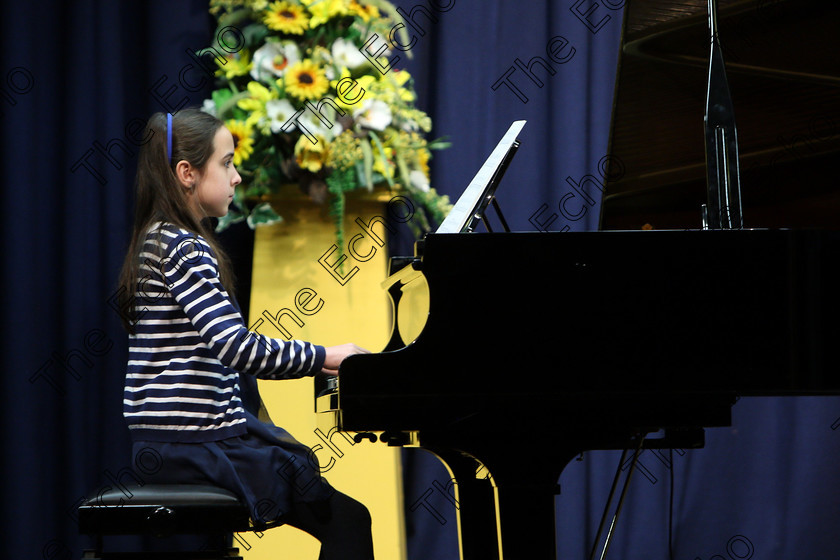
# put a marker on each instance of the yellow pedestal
(345, 305)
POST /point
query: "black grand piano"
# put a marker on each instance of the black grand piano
(625, 333)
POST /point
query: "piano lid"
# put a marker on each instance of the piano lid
(784, 78)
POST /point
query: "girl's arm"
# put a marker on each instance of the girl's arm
(336, 355)
(191, 274)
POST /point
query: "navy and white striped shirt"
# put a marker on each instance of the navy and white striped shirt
(190, 343)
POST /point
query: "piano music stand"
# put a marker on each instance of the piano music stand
(470, 207)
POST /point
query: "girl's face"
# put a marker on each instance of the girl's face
(214, 188)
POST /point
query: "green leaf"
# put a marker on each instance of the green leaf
(367, 152)
(360, 173)
(392, 12)
(335, 185)
(255, 189)
(255, 33)
(383, 159)
(230, 19)
(239, 196)
(403, 168)
(220, 97)
(233, 216)
(263, 214)
(272, 173)
(439, 143)
(229, 106)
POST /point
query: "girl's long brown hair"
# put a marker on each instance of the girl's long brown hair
(160, 196)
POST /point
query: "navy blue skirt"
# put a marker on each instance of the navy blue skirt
(267, 468)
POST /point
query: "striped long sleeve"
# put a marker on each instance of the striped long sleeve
(190, 345)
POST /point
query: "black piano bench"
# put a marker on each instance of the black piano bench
(165, 510)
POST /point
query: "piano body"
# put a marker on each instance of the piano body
(621, 333)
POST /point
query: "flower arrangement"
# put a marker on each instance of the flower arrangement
(306, 106)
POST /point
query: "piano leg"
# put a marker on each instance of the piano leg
(509, 515)
(476, 506)
(527, 523)
(526, 511)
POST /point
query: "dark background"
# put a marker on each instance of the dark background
(76, 77)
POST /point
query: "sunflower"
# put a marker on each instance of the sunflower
(364, 12)
(286, 18)
(306, 80)
(235, 64)
(324, 10)
(242, 140)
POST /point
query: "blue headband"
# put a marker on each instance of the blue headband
(169, 136)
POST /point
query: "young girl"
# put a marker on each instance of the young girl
(190, 353)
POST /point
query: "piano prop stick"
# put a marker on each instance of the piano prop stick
(613, 488)
(723, 177)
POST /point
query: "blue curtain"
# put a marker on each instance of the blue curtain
(78, 78)
(75, 81)
(481, 66)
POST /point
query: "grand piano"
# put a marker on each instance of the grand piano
(646, 332)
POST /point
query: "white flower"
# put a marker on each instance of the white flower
(209, 107)
(272, 59)
(373, 114)
(346, 54)
(279, 111)
(419, 180)
(313, 124)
